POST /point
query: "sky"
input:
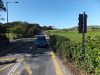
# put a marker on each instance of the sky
(57, 13)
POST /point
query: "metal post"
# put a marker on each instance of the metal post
(7, 16)
(83, 33)
(7, 10)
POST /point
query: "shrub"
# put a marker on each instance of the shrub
(88, 59)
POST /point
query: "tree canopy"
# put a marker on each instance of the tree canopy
(2, 7)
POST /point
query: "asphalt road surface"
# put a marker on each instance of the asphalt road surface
(30, 60)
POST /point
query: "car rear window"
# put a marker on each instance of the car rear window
(41, 38)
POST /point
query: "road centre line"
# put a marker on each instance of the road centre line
(12, 69)
(28, 51)
(1, 59)
(17, 64)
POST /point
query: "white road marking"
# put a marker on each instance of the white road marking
(28, 50)
(12, 69)
(17, 64)
(31, 47)
(15, 67)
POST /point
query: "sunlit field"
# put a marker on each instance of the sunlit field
(73, 34)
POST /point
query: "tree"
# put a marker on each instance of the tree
(22, 29)
(19, 30)
(3, 30)
(50, 28)
(2, 7)
(31, 31)
(47, 28)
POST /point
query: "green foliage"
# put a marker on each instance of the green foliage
(32, 31)
(22, 29)
(73, 35)
(19, 30)
(47, 28)
(3, 30)
(88, 59)
(2, 7)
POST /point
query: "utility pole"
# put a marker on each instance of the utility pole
(8, 15)
(83, 40)
(7, 10)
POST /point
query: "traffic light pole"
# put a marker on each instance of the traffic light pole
(83, 33)
(82, 29)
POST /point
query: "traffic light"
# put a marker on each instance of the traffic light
(85, 23)
(80, 27)
(82, 23)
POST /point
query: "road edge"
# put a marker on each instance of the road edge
(57, 65)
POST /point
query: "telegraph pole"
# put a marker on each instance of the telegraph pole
(7, 10)
(8, 15)
(83, 33)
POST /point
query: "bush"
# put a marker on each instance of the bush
(88, 59)
(3, 40)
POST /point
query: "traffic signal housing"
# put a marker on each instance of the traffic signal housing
(82, 23)
(85, 23)
(80, 27)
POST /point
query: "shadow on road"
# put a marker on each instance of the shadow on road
(7, 62)
(13, 47)
(23, 49)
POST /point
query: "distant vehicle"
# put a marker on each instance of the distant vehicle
(40, 33)
(41, 41)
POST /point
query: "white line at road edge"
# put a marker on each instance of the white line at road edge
(15, 67)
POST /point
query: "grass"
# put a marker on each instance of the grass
(89, 64)
(73, 34)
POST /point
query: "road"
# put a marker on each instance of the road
(15, 51)
(30, 60)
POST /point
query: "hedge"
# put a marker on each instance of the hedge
(88, 59)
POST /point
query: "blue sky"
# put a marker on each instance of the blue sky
(58, 13)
